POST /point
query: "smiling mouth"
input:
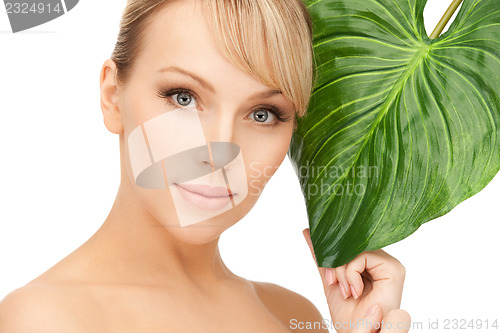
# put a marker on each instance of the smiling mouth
(206, 197)
(212, 192)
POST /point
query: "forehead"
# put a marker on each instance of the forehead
(178, 36)
(178, 28)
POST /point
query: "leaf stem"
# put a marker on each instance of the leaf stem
(444, 20)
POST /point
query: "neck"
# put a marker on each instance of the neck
(139, 250)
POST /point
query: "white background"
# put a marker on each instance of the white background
(60, 175)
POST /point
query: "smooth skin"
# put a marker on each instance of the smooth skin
(371, 281)
(135, 274)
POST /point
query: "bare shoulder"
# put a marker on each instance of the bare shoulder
(293, 309)
(36, 308)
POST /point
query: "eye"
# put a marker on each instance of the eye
(270, 116)
(261, 116)
(183, 98)
(179, 96)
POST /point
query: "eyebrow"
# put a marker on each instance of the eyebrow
(208, 86)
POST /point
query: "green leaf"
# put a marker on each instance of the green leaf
(400, 128)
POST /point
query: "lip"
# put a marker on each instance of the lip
(205, 196)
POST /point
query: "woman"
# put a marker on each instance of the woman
(234, 75)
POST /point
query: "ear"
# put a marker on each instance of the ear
(109, 98)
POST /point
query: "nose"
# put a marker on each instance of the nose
(218, 125)
(217, 155)
(219, 133)
(203, 157)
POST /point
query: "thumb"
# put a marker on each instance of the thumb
(307, 237)
(370, 323)
(322, 270)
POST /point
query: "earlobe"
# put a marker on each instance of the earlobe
(109, 98)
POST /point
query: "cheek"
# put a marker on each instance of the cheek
(264, 160)
(135, 112)
(164, 151)
(262, 152)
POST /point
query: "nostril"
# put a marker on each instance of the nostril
(207, 163)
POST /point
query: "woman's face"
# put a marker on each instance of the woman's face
(199, 120)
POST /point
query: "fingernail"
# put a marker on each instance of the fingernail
(371, 311)
(354, 293)
(342, 290)
(329, 276)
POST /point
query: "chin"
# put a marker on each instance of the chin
(202, 232)
(197, 235)
(207, 231)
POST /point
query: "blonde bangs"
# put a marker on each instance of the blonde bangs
(270, 40)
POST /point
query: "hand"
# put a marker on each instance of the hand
(389, 324)
(373, 277)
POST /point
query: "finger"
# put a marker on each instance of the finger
(370, 323)
(307, 237)
(331, 277)
(343, 284)
(385, 271)
(353, 273)
(396, 321)
(322, 270)
(381, 265)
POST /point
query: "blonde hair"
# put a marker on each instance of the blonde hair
(269, 39)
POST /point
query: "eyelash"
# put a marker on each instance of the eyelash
(280, 115)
